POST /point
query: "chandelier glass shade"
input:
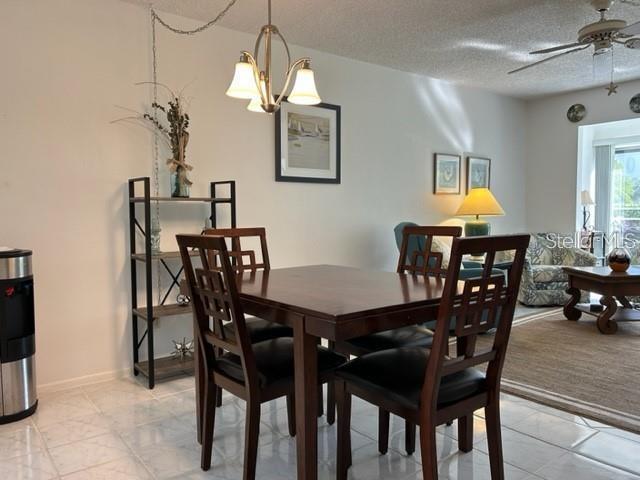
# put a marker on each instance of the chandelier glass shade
(251, 82)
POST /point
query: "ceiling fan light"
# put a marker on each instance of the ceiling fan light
(243, 84)
(304, 90)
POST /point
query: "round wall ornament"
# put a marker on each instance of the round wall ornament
(634, 104)
(576, 112)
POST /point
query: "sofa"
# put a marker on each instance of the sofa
(543, 280)
(632, 245)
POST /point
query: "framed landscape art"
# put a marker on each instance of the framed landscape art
(478, 172)
(308, 143)
(446, 174)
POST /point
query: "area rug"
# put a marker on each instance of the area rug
(572, 366)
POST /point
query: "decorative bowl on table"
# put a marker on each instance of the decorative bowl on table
(619, 260)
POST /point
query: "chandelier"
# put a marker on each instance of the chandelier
(252, 83)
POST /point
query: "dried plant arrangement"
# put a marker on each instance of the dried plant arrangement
(174, 135)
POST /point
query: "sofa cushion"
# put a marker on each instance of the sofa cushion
(548, 273)
(540, 250)
(561, 286)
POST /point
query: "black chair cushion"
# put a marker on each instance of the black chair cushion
(260, 330)
(411, 336)
(398, 374)
(274, 361)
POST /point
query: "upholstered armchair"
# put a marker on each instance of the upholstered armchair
(543, 280)
(416, 242)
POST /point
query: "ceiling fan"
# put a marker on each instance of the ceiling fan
(602, 35)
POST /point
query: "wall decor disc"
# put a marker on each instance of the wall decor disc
(634, 104)
(576, 112)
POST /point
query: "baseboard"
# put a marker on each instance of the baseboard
(84, 380)
(126, 372)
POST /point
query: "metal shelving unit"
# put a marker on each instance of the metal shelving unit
(157, 368)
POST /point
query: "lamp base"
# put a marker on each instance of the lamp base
(477, 228)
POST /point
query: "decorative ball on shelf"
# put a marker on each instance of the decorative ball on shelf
(619, 260)
(183, 300)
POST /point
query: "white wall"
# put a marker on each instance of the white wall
(552, 152)
(64, 166)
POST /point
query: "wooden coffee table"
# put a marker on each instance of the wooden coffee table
(612, 286)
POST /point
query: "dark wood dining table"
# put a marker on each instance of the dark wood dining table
(334, 303)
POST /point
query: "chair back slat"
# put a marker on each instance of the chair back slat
(244, 259)
(476, 305)
(216, 303)
(460, 363)
(426, 261)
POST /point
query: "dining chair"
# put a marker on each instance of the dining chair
(245, 259)
(257, 372)
(417, 257)
(440, 387)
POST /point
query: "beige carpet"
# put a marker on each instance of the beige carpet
(572, 366)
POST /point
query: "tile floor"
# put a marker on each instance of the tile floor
(119, 430)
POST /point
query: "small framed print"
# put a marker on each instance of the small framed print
(308, 143)
(446, 174)
(478, 172)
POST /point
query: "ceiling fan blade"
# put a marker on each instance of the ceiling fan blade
(633, 29)
(548, 59)
(555, 49)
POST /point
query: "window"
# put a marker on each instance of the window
(625, 190)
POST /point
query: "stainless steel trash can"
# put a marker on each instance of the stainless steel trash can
(17, 336)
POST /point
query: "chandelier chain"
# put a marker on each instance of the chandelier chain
(156, 147)
(195, 30)
(155, 19)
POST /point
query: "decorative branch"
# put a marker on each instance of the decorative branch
(174, 135)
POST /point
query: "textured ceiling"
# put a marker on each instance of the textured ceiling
(471, 42)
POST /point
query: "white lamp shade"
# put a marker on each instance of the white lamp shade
(585, 198)
(243, 84)
(255, 105)
(304, 89)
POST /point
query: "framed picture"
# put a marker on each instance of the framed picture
(478, 172)
(308, 143)
(446, 174)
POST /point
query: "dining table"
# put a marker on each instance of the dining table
(335, 303)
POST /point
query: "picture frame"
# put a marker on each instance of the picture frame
(446, 174)
(308, 143)
(478, 172)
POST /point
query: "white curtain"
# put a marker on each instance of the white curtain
(603, 160)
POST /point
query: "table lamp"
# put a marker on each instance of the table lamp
(479, 201)
(586, 201)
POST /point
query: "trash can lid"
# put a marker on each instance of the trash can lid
(9, 252)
